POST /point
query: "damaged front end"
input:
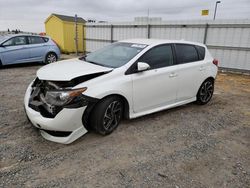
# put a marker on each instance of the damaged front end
(50, 97)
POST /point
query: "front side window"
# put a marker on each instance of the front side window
(36, 40)
(16, 41)
(115, 55)
(186, 53)
(160, 56)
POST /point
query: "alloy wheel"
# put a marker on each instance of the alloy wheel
(112, 115)
(51, 58)
(206, 91)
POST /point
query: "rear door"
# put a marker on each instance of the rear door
(155, 87)
(191, 70)
(38, 47)
(15, 50)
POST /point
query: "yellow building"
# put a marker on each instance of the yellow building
(62, 29)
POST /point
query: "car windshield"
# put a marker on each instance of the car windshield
(115, 55)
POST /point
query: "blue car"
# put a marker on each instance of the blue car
(20, 48)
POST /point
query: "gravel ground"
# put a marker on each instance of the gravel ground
(188, 146)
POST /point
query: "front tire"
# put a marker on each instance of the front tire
(107, 115)
(205, 92)
(51, 57)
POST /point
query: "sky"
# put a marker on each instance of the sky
(29, 15)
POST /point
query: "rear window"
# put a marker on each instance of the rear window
(186, 53)
(201, 51)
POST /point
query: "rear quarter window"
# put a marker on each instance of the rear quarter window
(201, 52)
(45, 39)
(186, 53)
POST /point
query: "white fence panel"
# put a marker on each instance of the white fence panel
(233, 59)
(237, 37)
(192, 34)
(121, 33)
(94, 45)
(98, 33)
(228, 40)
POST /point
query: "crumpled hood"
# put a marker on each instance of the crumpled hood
(68, 69)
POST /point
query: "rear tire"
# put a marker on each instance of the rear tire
(51, 57)
(205, 92)
(106, 115)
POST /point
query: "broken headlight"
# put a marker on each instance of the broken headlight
(62, 97)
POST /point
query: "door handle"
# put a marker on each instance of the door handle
(172, 75)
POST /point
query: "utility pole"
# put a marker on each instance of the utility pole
(215, 9)
(76, 35)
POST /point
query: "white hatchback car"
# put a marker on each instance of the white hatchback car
(128, 79)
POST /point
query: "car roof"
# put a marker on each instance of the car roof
(5, 37)
(21, 34)
(154, 42)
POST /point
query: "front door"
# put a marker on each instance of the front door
(15, 50)
(155, 87)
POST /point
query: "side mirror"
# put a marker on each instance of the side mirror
(141, 66)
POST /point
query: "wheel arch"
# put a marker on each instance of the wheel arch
(124, 101)
(209, 78)
(90, 107)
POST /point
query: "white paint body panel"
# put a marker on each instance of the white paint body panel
(145, 85)
(68, 69)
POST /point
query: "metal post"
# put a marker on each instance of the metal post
(148, 30)
(83, 39)
(76, 35)
(205, 34)
(111, 33)
(215, 9)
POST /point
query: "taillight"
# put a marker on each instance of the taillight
(215, 62)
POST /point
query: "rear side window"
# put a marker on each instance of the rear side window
(160, 56)
(186, 53)
(36, 40)
(45, 39)
(201, 51)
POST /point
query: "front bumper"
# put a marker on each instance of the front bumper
(67, 120)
